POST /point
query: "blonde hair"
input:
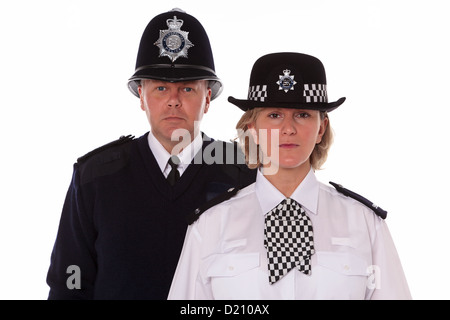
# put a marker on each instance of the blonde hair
(253, 159)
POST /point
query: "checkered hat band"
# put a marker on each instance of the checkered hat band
(257, 93)
(315, 92)
(288, 238)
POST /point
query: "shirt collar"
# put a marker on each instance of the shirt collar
(307, 193)
(185, 156)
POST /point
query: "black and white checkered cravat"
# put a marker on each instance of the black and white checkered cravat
(288, 238)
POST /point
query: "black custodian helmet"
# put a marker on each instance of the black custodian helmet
(175, 47)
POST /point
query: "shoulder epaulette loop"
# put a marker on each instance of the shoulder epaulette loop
(378, 211)
(121, 140)
(192, 217)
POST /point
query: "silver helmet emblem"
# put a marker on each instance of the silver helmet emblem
(173, 42)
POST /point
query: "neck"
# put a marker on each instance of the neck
(286, 180)
(174, 147)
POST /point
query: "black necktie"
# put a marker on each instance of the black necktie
(288, 238)
(174, 174)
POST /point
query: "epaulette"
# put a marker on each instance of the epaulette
(104, 160)
(378, 211)
(191, 218)
(121, 140)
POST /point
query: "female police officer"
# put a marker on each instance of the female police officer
(288, 236)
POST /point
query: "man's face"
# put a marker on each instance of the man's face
(171, 106)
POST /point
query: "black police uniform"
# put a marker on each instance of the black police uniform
(123, 224)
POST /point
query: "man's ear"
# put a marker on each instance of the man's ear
(141, 96)
(208, 100)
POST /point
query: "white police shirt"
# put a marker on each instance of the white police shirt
(162, 156)
(224, 255)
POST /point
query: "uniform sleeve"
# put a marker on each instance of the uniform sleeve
(72, 270)
(188, 283)
(387, 280)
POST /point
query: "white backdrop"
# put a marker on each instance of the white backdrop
(64, 67)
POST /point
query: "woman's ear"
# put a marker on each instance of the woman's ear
(252, 130)
(322, 129)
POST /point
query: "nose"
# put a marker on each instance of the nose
(174, 100)
(288, 127)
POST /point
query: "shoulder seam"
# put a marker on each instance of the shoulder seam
(120, 141)
(346, 192)
(193, 216)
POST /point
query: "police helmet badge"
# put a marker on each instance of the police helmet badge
(173, 42)
(286, 81)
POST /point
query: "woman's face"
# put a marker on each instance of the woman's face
(288, 136)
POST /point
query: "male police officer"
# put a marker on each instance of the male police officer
(125, 215)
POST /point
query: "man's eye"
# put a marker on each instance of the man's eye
(160, 88)
(188, 89)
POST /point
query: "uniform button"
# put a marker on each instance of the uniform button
(346, 267)
(230, 268)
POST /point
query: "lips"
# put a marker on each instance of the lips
(173, 118)
(288, 145)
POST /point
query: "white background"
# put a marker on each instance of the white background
(64, 66)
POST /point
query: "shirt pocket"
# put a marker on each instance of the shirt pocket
(232, 275)
(230, 265)
(341, 275)
(342, 262)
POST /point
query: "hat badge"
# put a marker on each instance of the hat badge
(286, 81)
(173, 42)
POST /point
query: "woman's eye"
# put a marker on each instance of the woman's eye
(274, 115)
(303, 115)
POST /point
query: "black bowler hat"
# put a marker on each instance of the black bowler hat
(287, 80)
(175, 47)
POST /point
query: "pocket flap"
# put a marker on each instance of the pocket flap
(229, 265)
(343, 262)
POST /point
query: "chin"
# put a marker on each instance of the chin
(293, 164)
(178, 132)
